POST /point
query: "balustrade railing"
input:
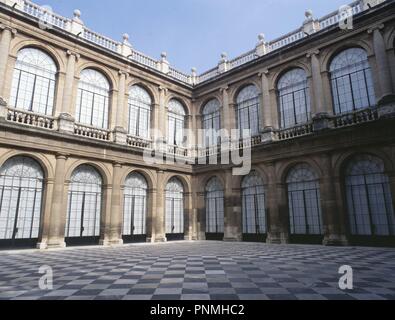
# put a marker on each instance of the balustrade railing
(30, 118)
(294, 132)
(357, 117)
(92, 132)
(138, 142)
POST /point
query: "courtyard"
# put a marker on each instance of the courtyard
(199, 271)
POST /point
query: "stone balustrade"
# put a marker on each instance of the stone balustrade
(30, 119)
(92, 132)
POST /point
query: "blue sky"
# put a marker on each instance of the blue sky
(193, 32)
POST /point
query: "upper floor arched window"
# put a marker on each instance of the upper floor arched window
(34, 82)
(93, 99)
(140, 103)
(248, 110)
(176, 123)
(294, 98)
(351, 78)
(211, 122)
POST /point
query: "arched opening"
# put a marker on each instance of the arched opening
(351, 80)
(369, 199)
(93, 99)
(253, 208)
(21, 193)
(294, 98)
(174, 223)
(248, 110)
(140, 105)
(211, 123)
(34, 82)
(135, 208)
(305, 216)
(214, 210)
(176, 123)
(84, 206)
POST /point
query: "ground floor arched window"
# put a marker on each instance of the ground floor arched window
(253, 206)
(304, 201)
(214, 210)
(21, 191)
(84, 206)
(135, 208)
(369, 199)
(174, 210)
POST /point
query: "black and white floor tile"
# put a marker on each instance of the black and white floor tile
(199, 271)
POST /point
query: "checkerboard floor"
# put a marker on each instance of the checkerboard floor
(199, 271)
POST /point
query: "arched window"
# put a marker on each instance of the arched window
(176, 123)
(211, 123)
(174, 209)
(84, 203)
(140, 103)
(369, 199)
(352, 84)
(34, 82)
(21, 189)
(304, 201)
(135, 205)
(253, 205)
(248, 110)
(93, 99)
(294, 98)
(214, 207)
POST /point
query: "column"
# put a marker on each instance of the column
(266, 108)
(333, 233)
(46, 214)
(276, 204)
(151, 214)
(188, 216)
(201, 215)
(6, 37)
(162, 116)
(105, 218)
(120, 131)
(383, 68)
(116, 206)
(159, 223)
(65, 112)
(58, 207)
(228, 115)
(320, 115)
(233, 214)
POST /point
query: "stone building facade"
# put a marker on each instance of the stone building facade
(79, 112)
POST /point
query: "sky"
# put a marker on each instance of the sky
(194, 33)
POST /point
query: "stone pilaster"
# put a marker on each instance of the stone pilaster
(232, 218)
(333, 233)
(116, 218)
(320, 114)
(58, 207)
(151, 214)
(6, 36)
(386, 101)
(120, 131)
(160, 232)
(188, 216)
(201, 215)
(266, 108)
(65, 113)
(276, 204)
